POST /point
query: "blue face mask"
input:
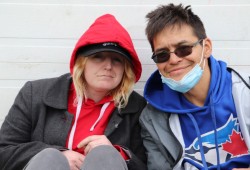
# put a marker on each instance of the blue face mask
(188, 81)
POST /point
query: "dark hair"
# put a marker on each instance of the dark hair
(172, 15)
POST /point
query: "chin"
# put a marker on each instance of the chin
(176, 78)
(106, 88)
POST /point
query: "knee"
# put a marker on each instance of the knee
(105, 150)
(49, 158)
(104, 157)
(48, 154)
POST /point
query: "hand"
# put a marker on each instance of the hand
(75, 159)
(241, 169)
(93, 141)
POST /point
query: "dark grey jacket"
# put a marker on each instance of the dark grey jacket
(39, 119)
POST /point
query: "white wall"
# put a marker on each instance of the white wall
(36, 38)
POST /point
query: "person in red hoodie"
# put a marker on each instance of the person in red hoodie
(86, 119)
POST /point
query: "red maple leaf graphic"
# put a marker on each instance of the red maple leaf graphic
(236, 146)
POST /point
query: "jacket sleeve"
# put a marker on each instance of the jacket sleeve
(128, 132)
(156, 159)
(16, 145)
(137, 152)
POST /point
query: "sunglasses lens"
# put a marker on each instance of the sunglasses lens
(161, 57)
(164, 56)
(183, 51)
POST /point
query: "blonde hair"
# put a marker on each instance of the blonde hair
(120, 94)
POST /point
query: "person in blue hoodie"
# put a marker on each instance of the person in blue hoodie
(197, 116)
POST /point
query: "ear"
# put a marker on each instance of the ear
(207, 47)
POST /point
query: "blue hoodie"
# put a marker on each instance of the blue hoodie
(213, 126)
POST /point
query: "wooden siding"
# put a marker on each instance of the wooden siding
(37, 37)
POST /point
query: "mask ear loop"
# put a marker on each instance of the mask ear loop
(202, 55)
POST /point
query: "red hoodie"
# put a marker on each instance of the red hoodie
(105, 29)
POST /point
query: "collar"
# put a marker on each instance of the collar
(56, 92)
(56, 95)
(133, 105)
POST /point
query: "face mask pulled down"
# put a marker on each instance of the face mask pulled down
(188, 81)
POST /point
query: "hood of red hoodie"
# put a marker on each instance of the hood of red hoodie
(107, 29)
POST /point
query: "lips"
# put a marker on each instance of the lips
(110, 76)
(175, 72)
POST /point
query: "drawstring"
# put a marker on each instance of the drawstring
(215, 136)
(215, 131)
(72, 132)
(78, 110)
(104, 107)
(199, 139)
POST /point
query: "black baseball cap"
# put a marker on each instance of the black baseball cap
(101, 47)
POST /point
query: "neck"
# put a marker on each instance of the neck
(96, 95)
(198, 94)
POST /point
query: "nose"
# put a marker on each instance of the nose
(174, 58)
(108, 63)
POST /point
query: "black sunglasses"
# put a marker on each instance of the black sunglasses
(181, 52)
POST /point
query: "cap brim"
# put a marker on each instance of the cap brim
(96, 48)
